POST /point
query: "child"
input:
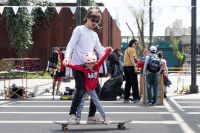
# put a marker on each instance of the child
(91, 73)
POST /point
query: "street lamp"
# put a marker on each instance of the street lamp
(193, 86)
(150, 24)
(78, 13)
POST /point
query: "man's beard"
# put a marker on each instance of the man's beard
(93, 26)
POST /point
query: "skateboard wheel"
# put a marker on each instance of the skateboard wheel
(123, 128)
(65, 129)
(119, 126)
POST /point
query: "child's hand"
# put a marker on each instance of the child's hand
(108, 49)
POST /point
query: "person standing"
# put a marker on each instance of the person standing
(141, 65)
(164, 71)
(151, 71)
(130, 71)
(83, 40)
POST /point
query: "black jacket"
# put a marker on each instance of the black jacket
(113, 58)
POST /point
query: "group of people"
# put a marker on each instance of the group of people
(150, 66)
(86, 69)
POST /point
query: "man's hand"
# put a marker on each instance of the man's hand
(121, 54)
(65, 61)
(107, 48)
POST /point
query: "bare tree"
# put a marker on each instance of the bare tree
(141, 20)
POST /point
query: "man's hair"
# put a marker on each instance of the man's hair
(116, 51)
(131, 42)
(93, 13)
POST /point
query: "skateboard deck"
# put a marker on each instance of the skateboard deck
(120, 124)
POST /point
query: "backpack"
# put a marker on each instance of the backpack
(110, 67)
(153, 64)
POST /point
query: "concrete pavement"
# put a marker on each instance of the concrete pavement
(36, 115)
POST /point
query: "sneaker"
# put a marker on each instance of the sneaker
(149, 103)
(57, 92)
(78, 120)
(165, 96)
(94, 119)
(71, 119)
(154, 103)
(135, 101)
(106, 121)
(126, 101)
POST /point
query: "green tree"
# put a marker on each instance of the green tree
(180, 57)
(20, 26)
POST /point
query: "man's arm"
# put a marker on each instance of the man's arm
(75, 36)
(98, 47)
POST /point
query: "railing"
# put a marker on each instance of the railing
(180, 70)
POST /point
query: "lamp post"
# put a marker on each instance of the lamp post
(78, 13)
(193, 86)
(150, 24)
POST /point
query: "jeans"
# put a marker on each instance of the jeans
(152, 79)
(131, 81)
(80, 91)
(94, 98)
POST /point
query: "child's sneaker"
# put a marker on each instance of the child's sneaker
(94, 119)
(149, 103)
(71, 119)
(78, 120)
(106, 121)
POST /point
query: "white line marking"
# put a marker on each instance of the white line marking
(184, 126)
(177, 104)
(133, 122)
(186, 102)
(68, 101)
(190, 106)
(85, 113)
(193, 113)
(13, 106)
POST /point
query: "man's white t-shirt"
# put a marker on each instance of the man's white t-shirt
(82, 41)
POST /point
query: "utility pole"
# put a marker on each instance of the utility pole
(78, 13)
(150, 23)
(193, 86)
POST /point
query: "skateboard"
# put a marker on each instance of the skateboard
(120, 124)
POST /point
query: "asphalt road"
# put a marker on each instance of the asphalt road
(36, 115)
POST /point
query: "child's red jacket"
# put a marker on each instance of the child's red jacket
(91, 77)
(140, 64)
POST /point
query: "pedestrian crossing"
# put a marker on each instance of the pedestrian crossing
(40, 111)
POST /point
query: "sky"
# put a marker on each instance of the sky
(165, 16)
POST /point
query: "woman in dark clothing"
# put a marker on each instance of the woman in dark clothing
(114, 58)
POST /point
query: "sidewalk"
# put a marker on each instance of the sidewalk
(38, 86)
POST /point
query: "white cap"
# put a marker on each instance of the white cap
(153, 48)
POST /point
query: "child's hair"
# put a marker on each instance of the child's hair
(84, 66)
(93, 13)
(160, 54)
(145, 49)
